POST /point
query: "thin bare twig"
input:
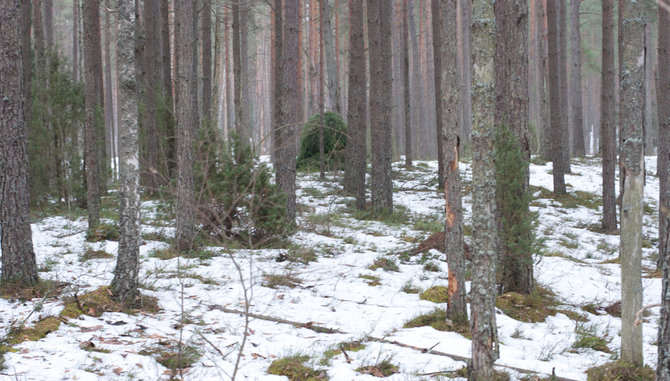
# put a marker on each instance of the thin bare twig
(639, 313)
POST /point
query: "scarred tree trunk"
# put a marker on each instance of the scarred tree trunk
(92, 107)
(511, 79)
(124, 284)
(448, 112)
(354, 175)
(575, 86)
(632, 163)
(186, 121)
(608, 118)
(380, 19)
(18, 257)
(482, 292)
(557, 129)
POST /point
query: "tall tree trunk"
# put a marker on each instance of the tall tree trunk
(663, 107)
(511, 113)
(18, 257)
(151, 173)
(543, 80)
(448, 111)
(354, 175)
(186, 121)
(418, 109)
(465, 12)
(110, 115)
(608, 121)
(26, 62)
(125, 282)
(322, 94)
(241, 127)
(575, 86)
(75, 39)
(557, 128)
(482, 292)
(332, 81)
(93, 107)
(663, 104)
(380, 18)
(563, 85)
(289, 106)
(206, 26)
(437, 63)
(632, 162)
(405, 75)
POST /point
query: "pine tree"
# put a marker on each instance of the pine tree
(482, 292)
(631, 120)
(608, 118)
(18, 257)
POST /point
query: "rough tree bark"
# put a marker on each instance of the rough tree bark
(575, 85)
(186, 116)
(437, 62)
(563, 83)
(124, 284)
(608, 120)
(92, 107)
(26, 61)
(448, 111)
(405, 70)
(18, 257)
(152, 83)
(75, 38)
(380, 20)
(287, 37)
(557, 129)
(482, 292)
(663, 102)
(632, 163)
(511, 112)
(332, 80)
(354, 174)
(206, 27)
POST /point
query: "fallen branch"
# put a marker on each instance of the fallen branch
(321, 329)
(641, 311)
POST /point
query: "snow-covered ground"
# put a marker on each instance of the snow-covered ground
(203, 293)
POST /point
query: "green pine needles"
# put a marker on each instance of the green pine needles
(237, 200)
(334, 142)
(515, 221)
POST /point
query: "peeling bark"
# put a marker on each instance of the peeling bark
(124, 284)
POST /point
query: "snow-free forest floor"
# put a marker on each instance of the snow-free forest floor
(329, 265)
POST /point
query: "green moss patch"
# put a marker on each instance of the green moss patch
(348, 346)
(281, 280)
(531, 308)
(436, 294)
(42, 289)
(384, 263)
(371, 280)
(384, 368)
(438, 320)
(620, 371)
(95, 254)
(103, 232)
(97, 302)
(38, 331)
(295, 369)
